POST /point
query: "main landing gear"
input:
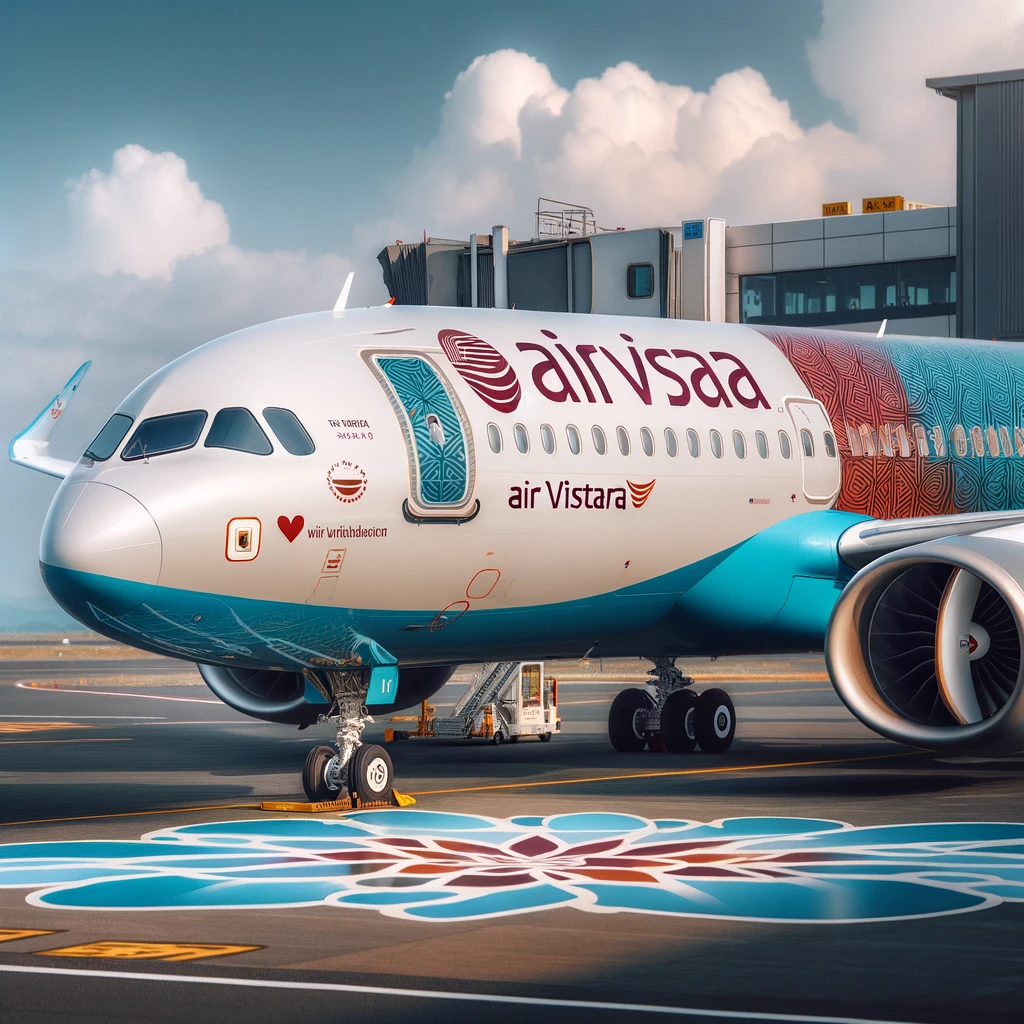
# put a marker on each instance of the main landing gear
(362, 773)
(673, 718)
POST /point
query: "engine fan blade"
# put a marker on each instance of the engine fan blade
(953, 646)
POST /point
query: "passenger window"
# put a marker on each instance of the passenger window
(830, 445)
(572, 435)
(622, 436)
(715, 440)
(107, 440)
(693, 443)
(494, 437)
(547, 438)
(522, 438)
(807, 442)
(739, 444)
(600, 444)
(435, 429)
(671, 444)
(162, 434)
(762, 444)
(238, 430)
(646, 441)
(785, 445)
(289, 431)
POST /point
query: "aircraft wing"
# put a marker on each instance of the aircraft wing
(31, 448)
(871, 539)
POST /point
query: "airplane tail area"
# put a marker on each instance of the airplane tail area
(31, 448)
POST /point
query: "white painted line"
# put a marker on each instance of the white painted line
(82, 718)
(26, 684)
(462, 997)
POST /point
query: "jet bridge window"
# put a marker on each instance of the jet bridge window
(237, 429)
(640, 280)
(289, 431)
(160, 435)
(107, 440)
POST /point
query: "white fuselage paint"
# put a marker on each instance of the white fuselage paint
(318, 366)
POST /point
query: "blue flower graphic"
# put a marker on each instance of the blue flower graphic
(434, 866)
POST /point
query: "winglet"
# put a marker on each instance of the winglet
(339, 306)
(31, 447)
(881, 330)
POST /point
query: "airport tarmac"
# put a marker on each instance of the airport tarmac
(110, 750)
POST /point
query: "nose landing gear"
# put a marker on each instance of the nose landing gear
(360, 773)
(673, 718)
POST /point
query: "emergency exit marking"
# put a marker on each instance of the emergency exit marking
(243, 540)
(10, 934)
(693, 229)
(172, 952)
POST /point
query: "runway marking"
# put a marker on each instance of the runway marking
(720, 770)
(82, 718)
(133, 814)
(170, 952)
(22, 727)
(28, 684)
(84, 739)
(11, 934)
(460, 997)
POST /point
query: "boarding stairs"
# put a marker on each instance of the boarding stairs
(492, 682)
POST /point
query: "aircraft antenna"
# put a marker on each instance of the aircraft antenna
(339, 306)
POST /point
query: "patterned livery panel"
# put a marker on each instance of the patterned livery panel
(924, 427)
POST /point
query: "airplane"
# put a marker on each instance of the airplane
(328, 512)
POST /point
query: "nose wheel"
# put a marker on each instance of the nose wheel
(360, 772)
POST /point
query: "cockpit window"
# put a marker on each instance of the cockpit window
(162, 434)
(237, 429)
(109, 437)
(289, 431)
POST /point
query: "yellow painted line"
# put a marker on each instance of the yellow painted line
(17, 727)
(171, 952)
(603, 700)
(10, 934)
(84, 739)
(721, 770)
(799, 689)
(133, 814)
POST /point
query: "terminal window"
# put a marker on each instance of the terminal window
(640, 280)
(837, 295)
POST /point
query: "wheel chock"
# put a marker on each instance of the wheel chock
(347, 804)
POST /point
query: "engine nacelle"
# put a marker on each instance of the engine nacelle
(925, 644)
(279, 696)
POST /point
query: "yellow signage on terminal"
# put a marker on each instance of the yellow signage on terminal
(836, 209)
(882, 204)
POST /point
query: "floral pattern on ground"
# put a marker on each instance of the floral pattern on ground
(435, 866)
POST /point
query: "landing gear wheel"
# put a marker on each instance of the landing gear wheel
(678, 721)
(622, 720)
(714, 721)
(314, 775)
(371, 773)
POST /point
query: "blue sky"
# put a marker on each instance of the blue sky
(170, 172)
(294, 116)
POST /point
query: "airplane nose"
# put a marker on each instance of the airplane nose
(100, 547)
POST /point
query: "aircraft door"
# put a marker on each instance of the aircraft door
(439, 443)
(820, 472)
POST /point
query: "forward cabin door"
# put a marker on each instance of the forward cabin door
(438, 439)
(820, 472)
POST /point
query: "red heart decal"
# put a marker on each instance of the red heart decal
(291, 528)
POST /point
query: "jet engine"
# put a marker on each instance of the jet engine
(280, 696)
(925, 644)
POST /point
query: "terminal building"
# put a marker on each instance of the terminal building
(924, 270)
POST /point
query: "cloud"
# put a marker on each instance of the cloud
(154, 275)
(143, 216)
(641, 151)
